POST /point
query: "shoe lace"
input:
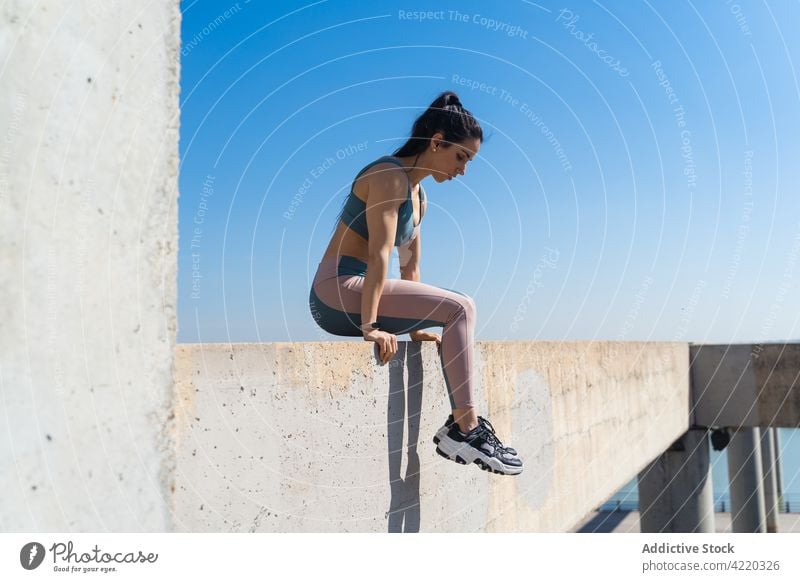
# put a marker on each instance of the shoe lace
(491, 437)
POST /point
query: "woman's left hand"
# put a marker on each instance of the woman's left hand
(427, 336)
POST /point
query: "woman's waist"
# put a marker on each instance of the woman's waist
(338, 265)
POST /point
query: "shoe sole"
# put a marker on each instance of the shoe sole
(468, 451)
(436, 440)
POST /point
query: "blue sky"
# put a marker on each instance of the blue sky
(637, 180)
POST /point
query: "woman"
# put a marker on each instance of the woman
(352, 296)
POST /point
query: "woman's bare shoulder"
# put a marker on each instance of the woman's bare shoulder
(382, 182)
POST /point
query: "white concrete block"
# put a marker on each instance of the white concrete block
(88, 232)
(318, 437)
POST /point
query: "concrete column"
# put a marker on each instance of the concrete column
(675, 492)
(89, 237)
(778, 468)
(770, 482)
(746, 481)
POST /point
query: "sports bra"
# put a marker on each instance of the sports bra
(354, 211)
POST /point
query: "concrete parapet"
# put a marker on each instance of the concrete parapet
(746, 385)
(318, 437)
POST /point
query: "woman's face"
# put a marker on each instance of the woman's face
(448, 162)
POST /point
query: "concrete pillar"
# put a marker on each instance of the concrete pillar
(675, 492)
(746, 481)
(89, 236)
(778, 468)
(770, 482)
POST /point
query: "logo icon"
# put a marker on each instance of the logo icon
(31, 555)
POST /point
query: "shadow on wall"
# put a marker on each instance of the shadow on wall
(404, 510)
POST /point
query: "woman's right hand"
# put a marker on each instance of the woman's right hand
(386, 342)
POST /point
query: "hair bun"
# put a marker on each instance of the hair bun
(454, 100)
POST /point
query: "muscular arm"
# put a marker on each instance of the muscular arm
(409, 270)
(387, 191)
(411, 253)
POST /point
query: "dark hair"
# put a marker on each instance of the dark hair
(445, 115)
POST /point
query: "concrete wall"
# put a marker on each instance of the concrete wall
(746, 385)
(318, 437)
(88, 241)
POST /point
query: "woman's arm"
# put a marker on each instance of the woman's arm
(411, 252)
(409, 255)
(387, 191)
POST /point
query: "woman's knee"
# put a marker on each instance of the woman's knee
(464, 300)
(466, 304)
(470, 306)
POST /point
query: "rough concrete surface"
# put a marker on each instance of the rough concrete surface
(746, 385)
(318, 437)
(88, 243)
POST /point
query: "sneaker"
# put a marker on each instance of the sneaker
(449, 422)
(488, 425)
(443, 429)
(479, 446)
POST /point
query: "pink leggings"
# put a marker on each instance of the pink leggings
(404, 306)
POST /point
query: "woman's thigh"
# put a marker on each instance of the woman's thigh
(404, 306)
